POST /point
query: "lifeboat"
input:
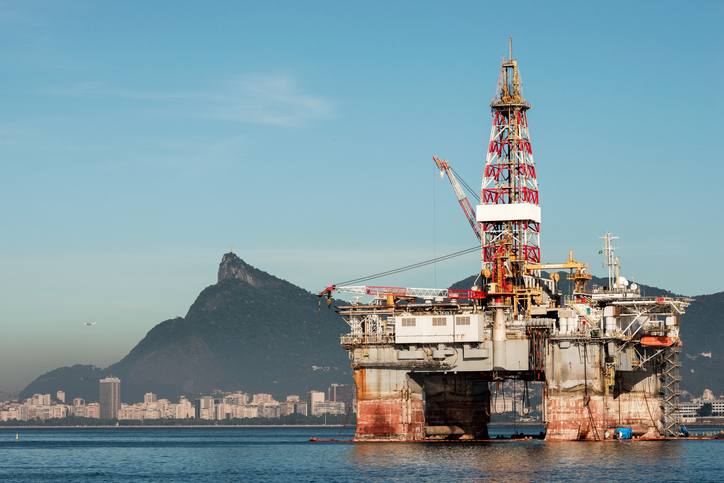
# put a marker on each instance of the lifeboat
(656, 341)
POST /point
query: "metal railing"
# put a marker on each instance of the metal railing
(367, 339)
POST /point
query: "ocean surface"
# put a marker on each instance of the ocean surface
(282, 454)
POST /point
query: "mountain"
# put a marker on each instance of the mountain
(250, 332)
(702, 358)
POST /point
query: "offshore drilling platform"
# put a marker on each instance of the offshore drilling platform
(425, 360)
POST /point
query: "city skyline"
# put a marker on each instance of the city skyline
(140, 141)
(224, 405)
(219, 406)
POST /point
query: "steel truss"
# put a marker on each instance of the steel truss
(510, 174)
(670, 403)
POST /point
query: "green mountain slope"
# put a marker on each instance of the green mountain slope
(702, 357)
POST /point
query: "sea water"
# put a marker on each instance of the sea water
(280, 454)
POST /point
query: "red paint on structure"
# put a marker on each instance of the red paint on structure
(386, 412)
(390, 419)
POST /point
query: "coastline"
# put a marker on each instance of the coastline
(154, 426)
(173, 426)
(137, 426)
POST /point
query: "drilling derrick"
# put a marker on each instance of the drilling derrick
(509, 212)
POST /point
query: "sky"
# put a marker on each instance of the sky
(139, 140)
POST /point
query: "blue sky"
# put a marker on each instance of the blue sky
(138, 140)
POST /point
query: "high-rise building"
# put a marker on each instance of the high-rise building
(331, 407)
(290, 405)
(301, 408)
(41, 400)
(60, 396)
(205, 407)
(286, 408)
(313, 397)
(236, 399)
(110, 397)
(262, 398)
(342, 393)
(149, 398)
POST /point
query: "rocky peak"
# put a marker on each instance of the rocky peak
(232, 266)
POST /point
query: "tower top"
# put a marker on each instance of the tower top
(509, 94)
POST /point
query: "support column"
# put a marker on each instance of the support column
(389, 406)
(576, 403)
(457, 407)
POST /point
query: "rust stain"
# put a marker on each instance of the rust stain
(383, 412)
(570, 418)
(360, 380)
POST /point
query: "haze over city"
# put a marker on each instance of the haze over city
(138, 141)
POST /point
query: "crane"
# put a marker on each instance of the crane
(580, 277)
(402, 292)
(444, 167)
(406, 292)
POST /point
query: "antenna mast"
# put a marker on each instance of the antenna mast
(611, 261)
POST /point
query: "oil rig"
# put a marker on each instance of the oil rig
(426, 360)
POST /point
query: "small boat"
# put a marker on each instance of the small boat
(656, 341)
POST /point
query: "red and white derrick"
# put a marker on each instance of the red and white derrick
(509, 213)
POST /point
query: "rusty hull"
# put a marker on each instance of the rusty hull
(389, 406)
(581, 403)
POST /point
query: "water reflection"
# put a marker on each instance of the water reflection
(531, 461)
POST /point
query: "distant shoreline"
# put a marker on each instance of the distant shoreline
(140, 426)
(155, 426)
(136, 426)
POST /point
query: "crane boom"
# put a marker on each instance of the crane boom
(444, 167)
(405, 292)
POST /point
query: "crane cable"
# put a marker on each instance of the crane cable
(409, 267)
(463, 183)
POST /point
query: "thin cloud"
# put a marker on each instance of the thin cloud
(259, 99)
(269, 100)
